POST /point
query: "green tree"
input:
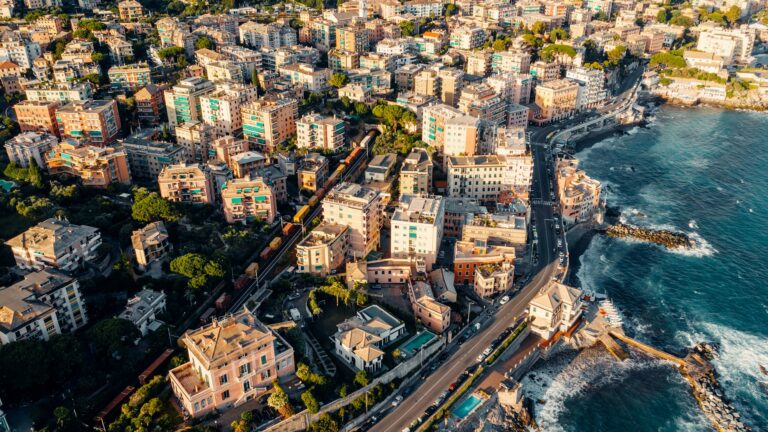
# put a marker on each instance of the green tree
(407, 28)
(204, 42)
(150, 207)
(539, 28)
(361, 109)
(499, 45)
(64, 419)
(113, 336)
(733, 14)
(615, 56)
(361, 378)
(36, 176)
(338, 80)
(279, 401)
(310, 402)
(681, 20)
(307, 376)
(450, 10)
(662, 16)
(558, 34)
(243, 424)
(25, 370)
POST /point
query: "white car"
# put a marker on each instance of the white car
(504, 300)
(397, 400)
(481, 357)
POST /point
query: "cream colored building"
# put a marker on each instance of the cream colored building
(247, 199)
(317, 131)
(324, 250)
(231, 360)
(151, 243)
(556, 309)
(491, 279)
(313, 172)
(308, 77)
(557, 99)
(221, 109)
(416, 173)
(498, 228)
(270, 121)
(55, 243)
(187, 183)
(359, 208)
(579, 194)
(417, 228)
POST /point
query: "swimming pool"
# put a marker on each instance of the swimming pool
(7, 185)
(463, 409)
(416, 342)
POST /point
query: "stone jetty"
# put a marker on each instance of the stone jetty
(668, 239)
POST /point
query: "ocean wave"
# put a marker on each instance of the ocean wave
(700, 247)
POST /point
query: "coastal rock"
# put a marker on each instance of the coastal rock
(668, 239)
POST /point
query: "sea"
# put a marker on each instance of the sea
(702, 171)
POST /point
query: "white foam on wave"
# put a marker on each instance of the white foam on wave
(700, 247)
(692, 224)
(740, 355)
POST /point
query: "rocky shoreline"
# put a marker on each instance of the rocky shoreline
(666, 238)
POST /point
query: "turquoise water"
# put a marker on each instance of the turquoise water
(7, 185)
(417, 342)
(463, 409)
(701, 171)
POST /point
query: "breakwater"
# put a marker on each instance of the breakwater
(666, 238)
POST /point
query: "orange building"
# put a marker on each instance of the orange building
(37, 116)
(94, 120)
(95, 166)
(150, 104)
(469, 255)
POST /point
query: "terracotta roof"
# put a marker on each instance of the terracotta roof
(8, 65)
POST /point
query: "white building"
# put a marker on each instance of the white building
(555, 309)
(361, 209)
(733, 45)
(16, 49)
(484, 177)
(360, 339)
(417, 228)
(317, 131)
(221, 109)
(308, 77)
(44, 304)
(30, 145)
(270, 36)
(592, 91)
(143, 308)
(55, 243)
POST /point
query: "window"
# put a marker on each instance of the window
(246, 386)
(263, 360)
(225, 395)
(245, 369)
(223, 379)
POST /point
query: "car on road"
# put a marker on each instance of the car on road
(480, 358)
(504, 299)
(487, 351)
(431, 410)
(294, 296)
(397, 400)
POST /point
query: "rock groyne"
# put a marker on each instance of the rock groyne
(668, 239)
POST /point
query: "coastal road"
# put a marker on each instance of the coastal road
(414, 406)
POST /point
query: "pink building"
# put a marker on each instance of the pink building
(231, 361)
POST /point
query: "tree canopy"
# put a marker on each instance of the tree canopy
(338, 80)
(197, 268)
(205, 42)
(151, 207)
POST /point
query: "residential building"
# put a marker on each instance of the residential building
(479, 63)
(380, 167)
(224, 71)
(313, 172)
(317, 131)
(95, 166)
(483, 177)
(130, 77)
(150, 104)
(343, 60)
(510, 62)
(467, 38)
(360, 339)
(247, 199)
(14, 47)
(324, 250)
(427, 308)
(556, 99)
(243, 164)
(592, 91)
(270, 36)
(270, 121)
(462, 135)
(151, 244)
(733, 45)
(143, 309)
(59, 92)
(308, 77)
(276, 179)
(353, 38)
(707, 62)
(491, 279)
(417, 228)
(188, 183)
(130, 10)
(195, 138)
(148, 157)
(225, 148)
(37, 116)
(474, 254)
(43, 304)
(120, 50)
(506, 229)
(96, 121)
(556, 309)
(231, 360)
(359, 208)
(55, 243)
(435, 120)
(484, 102)
(182, 101)
(459, 211)
(28, 146)
(416, 173)
(579, 194)
(221, 108)
(545, 71)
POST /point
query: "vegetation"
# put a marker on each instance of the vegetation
(338, 80)
(671, 59)
(310, 402)
(205, 42)
(199, 270)
(307, 376)
(145, 410)
(549, 52)
(279, 401)
(151, 207)
(407, 28)
(335, 288)
(32, 175)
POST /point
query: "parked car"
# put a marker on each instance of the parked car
(397, 400)
(504, 299)
(294, 295)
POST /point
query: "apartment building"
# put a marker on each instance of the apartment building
(360, 339)
(483, 177)
(380, 168)
(545, 71)
(225, 148)
(510, 62)
(479, 63)
(733, 45)
(16, 48)
(143, 309)
(43, 304)
(360, 208)
(506, 229)
(59, 92)
(188, 183)
(556, 99)
(484, 102)
(426, 305)
(317, 131)
(150, 244)
(579, 194)
(324, 250)
(55, 243)
(95, 166)
(343, 60)
(277, 180)
(416, 173)
(221, 108)
(471, 255)
(195, 138)
(353, 38)
(150, 104)
(37, 116)
(28, 146)
(148, 157)
(515, 88)
(467, 38)
(248, 199)
(130, 77)
(435, 119)
(130, 10)
(556, 309)
(313, 172)
(491, 279)
(417, 228)
(592, 90)
(270, 121)
(270, 36)
(96, 121)
(459, 211)
(231, 360)
(182, 101)
(243, 164)
(308, 77)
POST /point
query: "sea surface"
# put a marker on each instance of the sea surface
(703, 171)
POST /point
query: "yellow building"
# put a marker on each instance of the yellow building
(95, 166)
(556, 99)
(324, 250)
(270, 121)
(247, 199)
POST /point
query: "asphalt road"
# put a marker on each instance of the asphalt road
(414, 406)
